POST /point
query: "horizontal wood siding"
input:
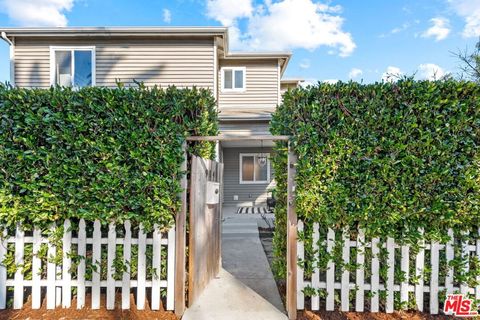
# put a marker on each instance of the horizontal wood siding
(285, 86)
(244, 128)
(261, 85)
(248, 194)
(162, 62)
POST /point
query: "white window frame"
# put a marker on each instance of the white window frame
(233, 89)
(72, 49)
(240, 173)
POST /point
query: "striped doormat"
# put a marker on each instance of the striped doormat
(243, 210)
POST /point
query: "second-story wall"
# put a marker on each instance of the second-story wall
(182, 62)
(262, 85)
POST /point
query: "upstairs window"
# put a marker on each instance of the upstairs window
(233, 79)
(72, 66)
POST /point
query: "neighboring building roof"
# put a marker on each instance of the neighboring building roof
(220, 32)
(292, 81)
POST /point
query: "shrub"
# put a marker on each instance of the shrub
(97, 153)
(387, 157)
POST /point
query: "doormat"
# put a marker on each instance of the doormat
(243, 210)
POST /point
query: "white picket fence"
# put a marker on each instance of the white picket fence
(59, 282)
(359, 286)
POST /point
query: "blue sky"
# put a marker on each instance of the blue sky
(330, 40)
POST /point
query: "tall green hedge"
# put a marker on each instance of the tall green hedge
(387, 157)
(97, 153)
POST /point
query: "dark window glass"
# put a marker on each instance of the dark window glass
(83, 68)
(227, 82)
(247, 168)
(238, 79)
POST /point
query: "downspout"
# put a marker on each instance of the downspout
(12, 57)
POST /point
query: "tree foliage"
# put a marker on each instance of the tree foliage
(470, 63)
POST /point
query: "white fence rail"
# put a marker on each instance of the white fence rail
(361, 288)
(55, 282)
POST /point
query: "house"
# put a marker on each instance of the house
(247, 86)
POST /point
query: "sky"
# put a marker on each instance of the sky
(331, 40)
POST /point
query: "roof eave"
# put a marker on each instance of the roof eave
(114, 31)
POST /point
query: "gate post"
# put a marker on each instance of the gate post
(180, 239)
(291, 296)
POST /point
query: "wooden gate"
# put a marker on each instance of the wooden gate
(205, 224)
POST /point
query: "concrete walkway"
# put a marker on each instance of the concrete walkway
(245, 287)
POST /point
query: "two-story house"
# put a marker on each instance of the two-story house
(247, 86)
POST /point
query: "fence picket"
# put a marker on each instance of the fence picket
(360, 272)
(97, 261)
(449, 253)
(82, 251)
(345, 281)
(66, 265)
(141, 268)
(111, 250)
(316, 272)
(390, 274)
(58, 282)
(36, 269)
(3, 271)
(405, 268)
(157, 267)
(51, 273)
(171, 269)
(330, 272)
(465, 258)
(419, 266)
(374, 303)
(300, 258)
(127, 247)
(19, 259)
(434, 258)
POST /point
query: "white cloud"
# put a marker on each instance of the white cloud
(430, 71)
(167, 16)
(37, 13)
(330, 81)
(470, 11)
(392, 74)
(305, 64)
(283, 25)
(354, 73)
(439, 30)
(227, 11)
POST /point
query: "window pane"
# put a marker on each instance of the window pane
(63, 68)
(238, 79)
(227, 82)
(261, 173)
(247, 168)
(83, 68)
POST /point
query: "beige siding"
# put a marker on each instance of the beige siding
(261, 85)
(248, 194)
(162, 62)
(244, 128)
(285, 86)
